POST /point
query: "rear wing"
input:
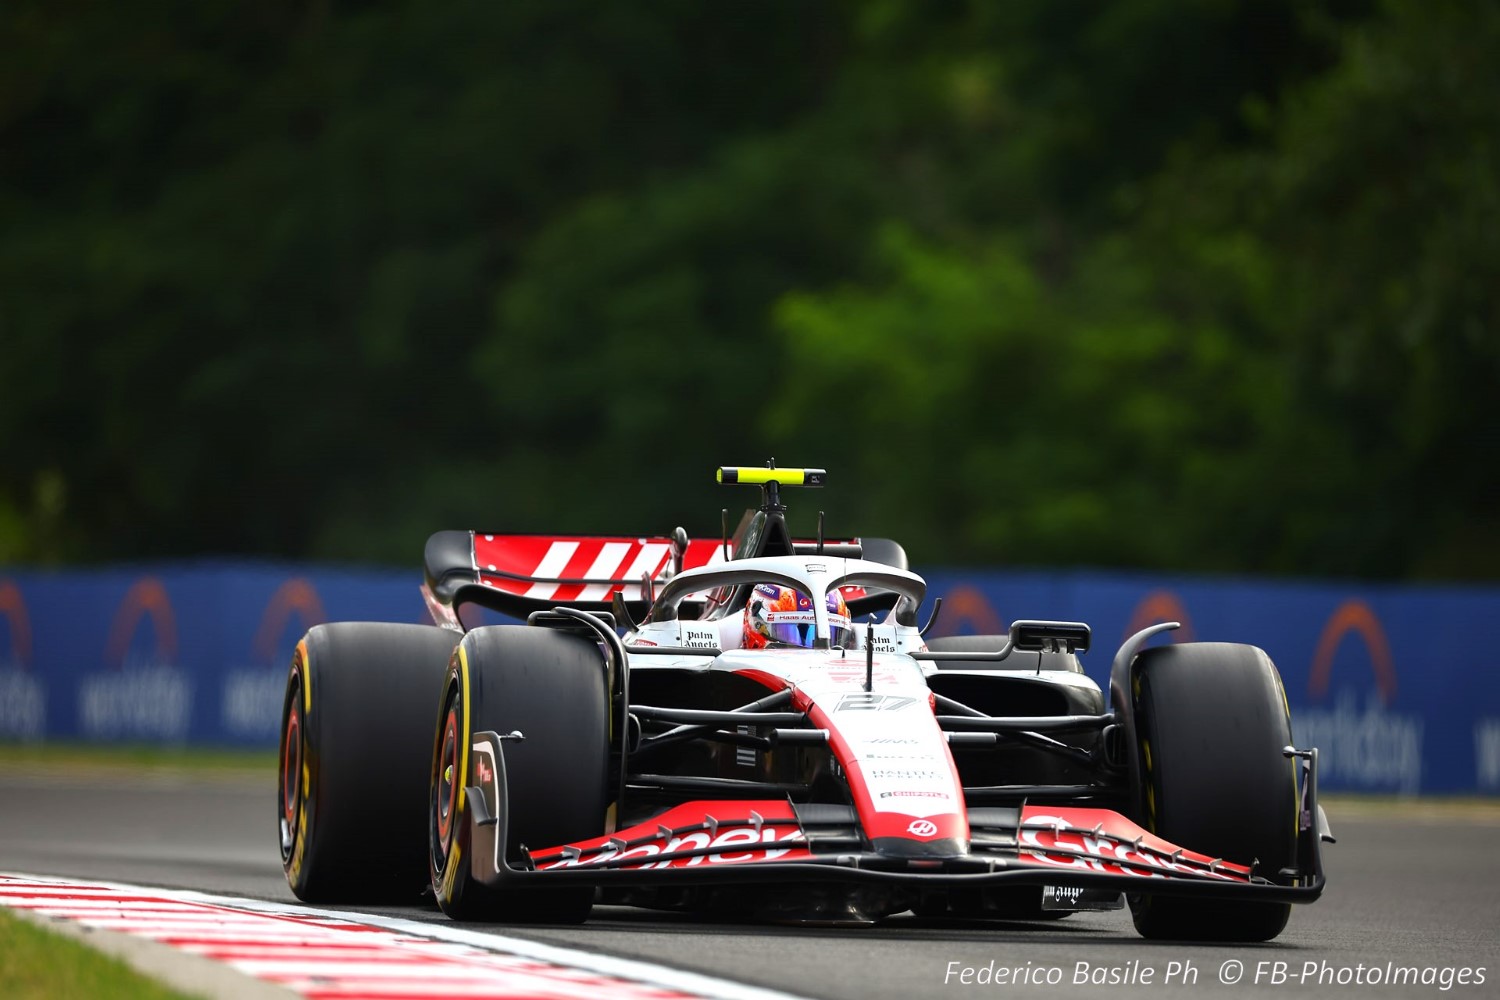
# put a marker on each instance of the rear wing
(519, 574)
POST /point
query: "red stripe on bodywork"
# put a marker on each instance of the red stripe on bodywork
(774, 682)
(577, 568)
(877, 823)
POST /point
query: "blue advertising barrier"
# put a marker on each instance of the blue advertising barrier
(1397, 686)
(170, 654)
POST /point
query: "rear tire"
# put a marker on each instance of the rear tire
(551, 686)
(1212, 720)
(356, 740)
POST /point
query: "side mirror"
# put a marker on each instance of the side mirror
(1050, 637)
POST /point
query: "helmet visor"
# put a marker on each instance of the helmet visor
(791, 628)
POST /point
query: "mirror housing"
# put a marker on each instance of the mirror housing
(1050, 637)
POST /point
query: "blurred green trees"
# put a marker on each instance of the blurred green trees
(1204, 285)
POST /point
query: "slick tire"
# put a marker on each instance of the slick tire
(356, 742)
(1211, 720)
(551, 687)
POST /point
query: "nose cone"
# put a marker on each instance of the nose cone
(902, 778)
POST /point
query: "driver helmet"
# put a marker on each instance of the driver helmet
(777, 615)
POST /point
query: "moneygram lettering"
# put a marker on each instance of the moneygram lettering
(738, 844)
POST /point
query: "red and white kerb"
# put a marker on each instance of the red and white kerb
(325, 955)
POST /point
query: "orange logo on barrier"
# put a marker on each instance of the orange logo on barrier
(966, 605)
(296, 595)
(1356, 616)
(1157, 607)
(145, 598)
(14, 610)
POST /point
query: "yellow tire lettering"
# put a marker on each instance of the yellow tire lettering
(450, 870)
(306, 676)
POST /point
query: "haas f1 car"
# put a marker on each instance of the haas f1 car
(759, 725)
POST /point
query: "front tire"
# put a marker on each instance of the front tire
(1211, 719)
(551, 687)
(355, 745)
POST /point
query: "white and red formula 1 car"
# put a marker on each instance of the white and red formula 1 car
(758, 726)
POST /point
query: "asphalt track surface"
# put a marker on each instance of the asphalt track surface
(1412, 884)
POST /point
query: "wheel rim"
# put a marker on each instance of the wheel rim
(448, 780)
(290, 778)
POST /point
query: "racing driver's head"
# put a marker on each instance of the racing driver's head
(782, 616)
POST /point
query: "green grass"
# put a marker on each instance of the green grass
(135, 757)
(36, 964)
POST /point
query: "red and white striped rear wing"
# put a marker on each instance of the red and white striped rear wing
(519, 574)
(555, 569)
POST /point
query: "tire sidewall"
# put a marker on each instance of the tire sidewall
(296, 703)
(448, 856)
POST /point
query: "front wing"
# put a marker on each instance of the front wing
(723, 842)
